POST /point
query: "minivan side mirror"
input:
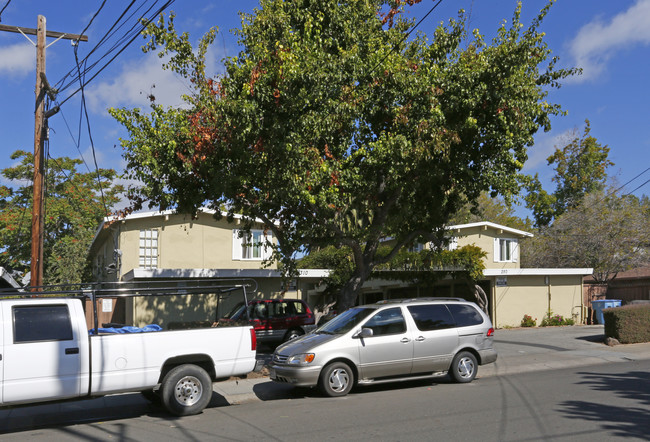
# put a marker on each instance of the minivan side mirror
(363, 333)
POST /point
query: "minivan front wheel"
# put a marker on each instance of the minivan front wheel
(336, 379)
(464, 367)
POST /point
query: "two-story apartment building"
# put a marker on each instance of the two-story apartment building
(512, 291)
(159, 246)
(163, 246)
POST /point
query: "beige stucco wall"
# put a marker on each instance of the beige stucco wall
(183, 243)
(529, 295)
(484, 238)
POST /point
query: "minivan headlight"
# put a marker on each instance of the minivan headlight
(301, 359)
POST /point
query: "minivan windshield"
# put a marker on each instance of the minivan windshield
(345, 321)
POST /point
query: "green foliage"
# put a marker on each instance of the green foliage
(580, 168)
(605, 232)
(426, 266)
(336, 130)
(337, 259)
(528, 321)
(73, 210)
(431, 265)
(628, 324)
(555, 320)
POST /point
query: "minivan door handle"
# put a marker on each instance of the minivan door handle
(405, 340)
(420, 338)
(72, 351)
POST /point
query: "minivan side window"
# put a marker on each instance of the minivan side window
(42, 323)
(387, 322)
(431, 317)
(465, 315)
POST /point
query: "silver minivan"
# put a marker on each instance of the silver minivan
(390, 341)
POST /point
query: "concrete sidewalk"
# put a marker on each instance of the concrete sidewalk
(520, 350)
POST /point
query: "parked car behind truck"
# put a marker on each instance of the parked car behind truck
(276, 320)
(389, 341)
(48, 353)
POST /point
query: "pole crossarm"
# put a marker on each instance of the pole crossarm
(52, 34)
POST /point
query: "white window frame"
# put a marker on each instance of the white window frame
(251, 247)
(507, 246)
(453, 243)
(148, 248)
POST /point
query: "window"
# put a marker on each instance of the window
(465, 315)
(431, 317)
(387, 322)
(417, 247)
(453, 243)
(252, 246)
(42, 323)
(148, 249)
(505, 250)
(297, 308)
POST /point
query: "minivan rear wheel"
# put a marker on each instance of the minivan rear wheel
(464, 367)
(336, 379)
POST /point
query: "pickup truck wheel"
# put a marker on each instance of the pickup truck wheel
(463, 367)
(186, 390)
(336, 379)
(293, 334)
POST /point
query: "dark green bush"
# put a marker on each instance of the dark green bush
(628, 324)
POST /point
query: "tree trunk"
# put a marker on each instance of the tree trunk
(349, 293)
(480, 295)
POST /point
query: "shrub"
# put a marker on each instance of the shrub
(629, 324)
(553, 320)
(528, 321)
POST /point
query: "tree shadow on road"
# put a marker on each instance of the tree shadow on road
(630, 421)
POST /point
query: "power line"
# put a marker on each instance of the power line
(77, 141)
(405, 36)
(90, 136)
(3, 9)
(118, 47)
(647, 181)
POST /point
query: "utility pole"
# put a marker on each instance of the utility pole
(40, 135)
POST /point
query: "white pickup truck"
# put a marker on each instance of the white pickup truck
(47, 351)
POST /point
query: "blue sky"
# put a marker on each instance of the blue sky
(609, 39)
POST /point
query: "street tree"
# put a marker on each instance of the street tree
(336, 127)
(580, 168)
(75, 204)
(606, 232)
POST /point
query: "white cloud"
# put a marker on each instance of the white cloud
(597, 41)
(545, 145)
(18, 59)
(133, 86)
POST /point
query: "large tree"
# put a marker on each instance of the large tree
(75, 204)
(337, 129)
(606, 232)
(580, 168)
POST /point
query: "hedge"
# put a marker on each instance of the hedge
(628, 324)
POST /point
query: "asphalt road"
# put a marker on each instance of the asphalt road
(599, 402)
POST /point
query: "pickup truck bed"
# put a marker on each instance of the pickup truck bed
(47, 353)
